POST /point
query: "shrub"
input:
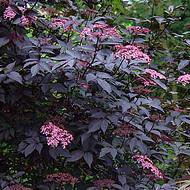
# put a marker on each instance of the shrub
(87, 103)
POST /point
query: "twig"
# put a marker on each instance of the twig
(95, 53)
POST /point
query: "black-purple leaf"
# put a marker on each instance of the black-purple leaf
(43, 187)
(53, 153)
(95, 125)
(29, 149)
(105, 151)
(88, 157)
(122, 179)
(98, 115)
(105, 85)
(125, 105)
(15, 76)
(132, 144)
(161, 84)
(9, 67)
(2, 98)
(4, 41)
(90, 77)
(35, 69)
(113, 152)
(183, 64)
(103, 75)
(104, 125)
(91, 188)
(22, 146)
(2, 77)
(39, 147)
(75, 155)
(18, 174)
(84, 137)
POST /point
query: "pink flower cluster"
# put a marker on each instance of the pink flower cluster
(130, 52)
(154, 74)
(64, 23)
(124, 130)
(101, 31)
(62, 178)
(4, 2)
(56, 135)
(104, 183)
(84, 86)
(184, 79)
(148, 82)
(9, 13)
(25, 21)
(141, 90)
(138, 30)
(17, 187)
(146, 163)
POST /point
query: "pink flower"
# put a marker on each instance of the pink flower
(62, 178)
(179, 110)
(124, 130)
(86, 32)
(138, 30)
(148, 82)
(83, 64)
(130, 52)
(104, 183)
(100, 26)
(25, 21)
(4, 2)
(184, 79)
(56, 135)
(154, 74)
(84, 85)
(64, 23)
(101, 31)
(17, 187)
(146, 163)
(141, 90)
(9, 13)
(22, 9)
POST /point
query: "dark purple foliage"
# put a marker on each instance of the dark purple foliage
(87, 77)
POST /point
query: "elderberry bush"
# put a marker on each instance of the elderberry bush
(88, 103)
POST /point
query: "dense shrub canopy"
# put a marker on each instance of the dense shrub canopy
(92, 98)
